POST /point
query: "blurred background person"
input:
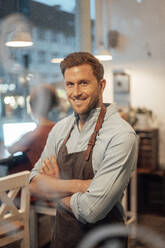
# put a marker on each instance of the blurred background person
(43, 99)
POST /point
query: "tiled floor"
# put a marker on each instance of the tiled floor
(154, 222)
(154, 231)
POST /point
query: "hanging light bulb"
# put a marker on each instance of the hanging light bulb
(103, 54)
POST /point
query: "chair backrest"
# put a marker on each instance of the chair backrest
(14, 209)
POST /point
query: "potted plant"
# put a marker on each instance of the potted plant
(143, 115)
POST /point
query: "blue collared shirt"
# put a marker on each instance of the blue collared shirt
(114, 158)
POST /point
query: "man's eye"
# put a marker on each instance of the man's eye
(83, 83)
(69, 84)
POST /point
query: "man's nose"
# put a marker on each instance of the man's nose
(77, 90)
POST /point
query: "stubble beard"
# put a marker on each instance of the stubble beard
(94, 105)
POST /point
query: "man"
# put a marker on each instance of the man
(95, 151)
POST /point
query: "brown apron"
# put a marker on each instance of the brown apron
(68, 230)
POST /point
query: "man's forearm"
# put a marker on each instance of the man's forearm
(51, 188)
(66, 202)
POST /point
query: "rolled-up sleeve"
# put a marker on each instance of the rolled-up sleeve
(110, 180)
(49, 149)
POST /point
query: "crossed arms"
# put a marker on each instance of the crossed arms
(48, 184)
(90, 200)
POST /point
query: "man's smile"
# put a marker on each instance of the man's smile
(79, 101)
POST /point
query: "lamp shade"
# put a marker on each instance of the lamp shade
(19, 39)
(103, 54)
(18, 31)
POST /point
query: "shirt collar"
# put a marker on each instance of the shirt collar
(111, 109)
(93, 112)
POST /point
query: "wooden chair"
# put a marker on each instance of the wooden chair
(14, 209)
(130, 195)
(41, 214)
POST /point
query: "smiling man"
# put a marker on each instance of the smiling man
(83, 90)
(89, 156)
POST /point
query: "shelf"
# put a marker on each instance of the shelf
(148, 149)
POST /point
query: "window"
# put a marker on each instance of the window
(41, 34)
(55, 54)
(43, 76)
(54, 36)
(41, 57)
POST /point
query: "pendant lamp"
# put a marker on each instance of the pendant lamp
(103, 54)
(19, 34)
(56, 60)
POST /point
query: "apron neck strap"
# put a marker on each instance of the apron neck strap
(92, 139)
(68, 135)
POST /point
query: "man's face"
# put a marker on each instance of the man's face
(83, 90)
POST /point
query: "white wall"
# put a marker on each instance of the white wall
(141, 51)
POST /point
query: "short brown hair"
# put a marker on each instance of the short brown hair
(80, 58)
(43, 99)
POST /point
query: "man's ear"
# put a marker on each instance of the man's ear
(103, 84)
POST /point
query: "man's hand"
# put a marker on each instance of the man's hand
(50, 168)
(48, 184)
